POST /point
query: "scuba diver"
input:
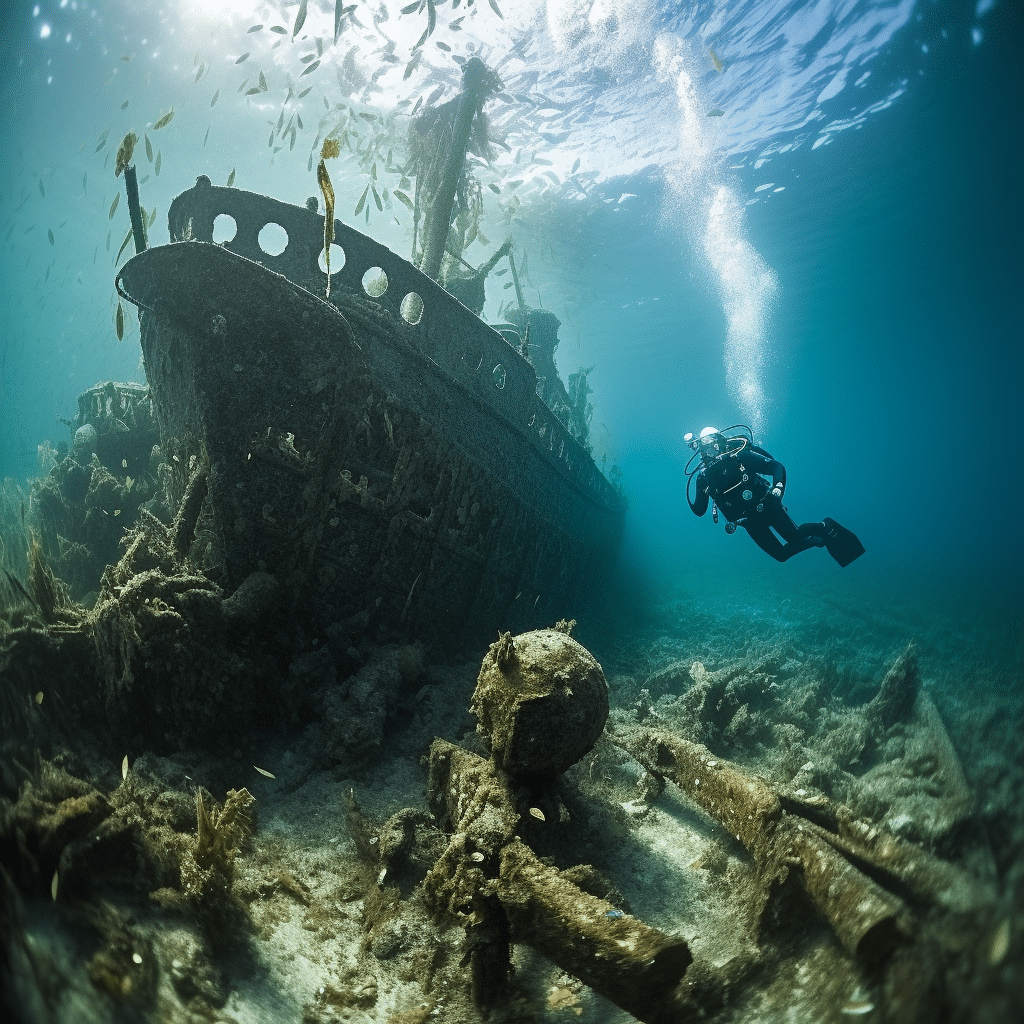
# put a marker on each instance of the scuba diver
(730, 476)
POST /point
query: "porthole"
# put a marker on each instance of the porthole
(273, 239)
(337, 259)
(224, 229)
(472, 353)
(412, 308)
(375, 282)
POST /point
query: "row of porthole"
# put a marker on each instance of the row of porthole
(273, 240)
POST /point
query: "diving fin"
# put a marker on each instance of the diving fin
(842, 544)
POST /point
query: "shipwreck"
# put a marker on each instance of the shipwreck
(374, 445)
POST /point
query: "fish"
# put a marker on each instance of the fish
(231, 178)
(149, 150)
(263, 83)
(127, 236)
(403, 198)
(255, 90)
(206, 136)
(411, 66)
(156, 166)
(151, 220)
(124, 153)
(85, 187)
(165, 120)
(49, 233)
(119, 322)
(113, 206)
(717, 112)
(312, 67)
(243, 58)
(362, 201)
(719, 66)
(340, 12)
(575, 166)
(858, 1007)
(299, 119)
(300, 18)
(42, 191)
(279, 29)
(215, 95)
(496, 9)
(124, 106)
(101, 141)
(255, 28)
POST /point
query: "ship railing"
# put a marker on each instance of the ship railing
(289, 240)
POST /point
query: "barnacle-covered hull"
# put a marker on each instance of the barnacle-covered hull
(402, 470)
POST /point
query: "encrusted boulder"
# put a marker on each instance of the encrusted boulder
(541, 699)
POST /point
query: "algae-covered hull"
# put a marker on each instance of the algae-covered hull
(383, 454)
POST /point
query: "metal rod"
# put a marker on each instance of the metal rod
(476, 83)
(131, 185)
(515, 278)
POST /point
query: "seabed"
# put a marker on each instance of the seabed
(803, 807)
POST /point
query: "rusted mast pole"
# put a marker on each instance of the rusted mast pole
(477, 83)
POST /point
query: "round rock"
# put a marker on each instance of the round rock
(85, 440)
(542, 699)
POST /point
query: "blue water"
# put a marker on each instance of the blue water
(862, 312)
(803, 216)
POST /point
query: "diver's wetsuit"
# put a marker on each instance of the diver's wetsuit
(734, 483)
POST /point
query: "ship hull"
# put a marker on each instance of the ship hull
(347, 462)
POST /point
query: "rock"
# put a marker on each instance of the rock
(542, 700)
(85, 441)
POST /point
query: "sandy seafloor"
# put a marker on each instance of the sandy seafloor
(309, 942)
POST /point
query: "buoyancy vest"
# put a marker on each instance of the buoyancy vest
(735, 487)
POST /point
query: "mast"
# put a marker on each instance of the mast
(477, 83)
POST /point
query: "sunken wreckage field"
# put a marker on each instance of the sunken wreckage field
(331, 888)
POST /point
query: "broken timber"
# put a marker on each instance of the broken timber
(491, 881)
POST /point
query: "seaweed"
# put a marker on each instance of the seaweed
(208, 869)
(330, 148)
